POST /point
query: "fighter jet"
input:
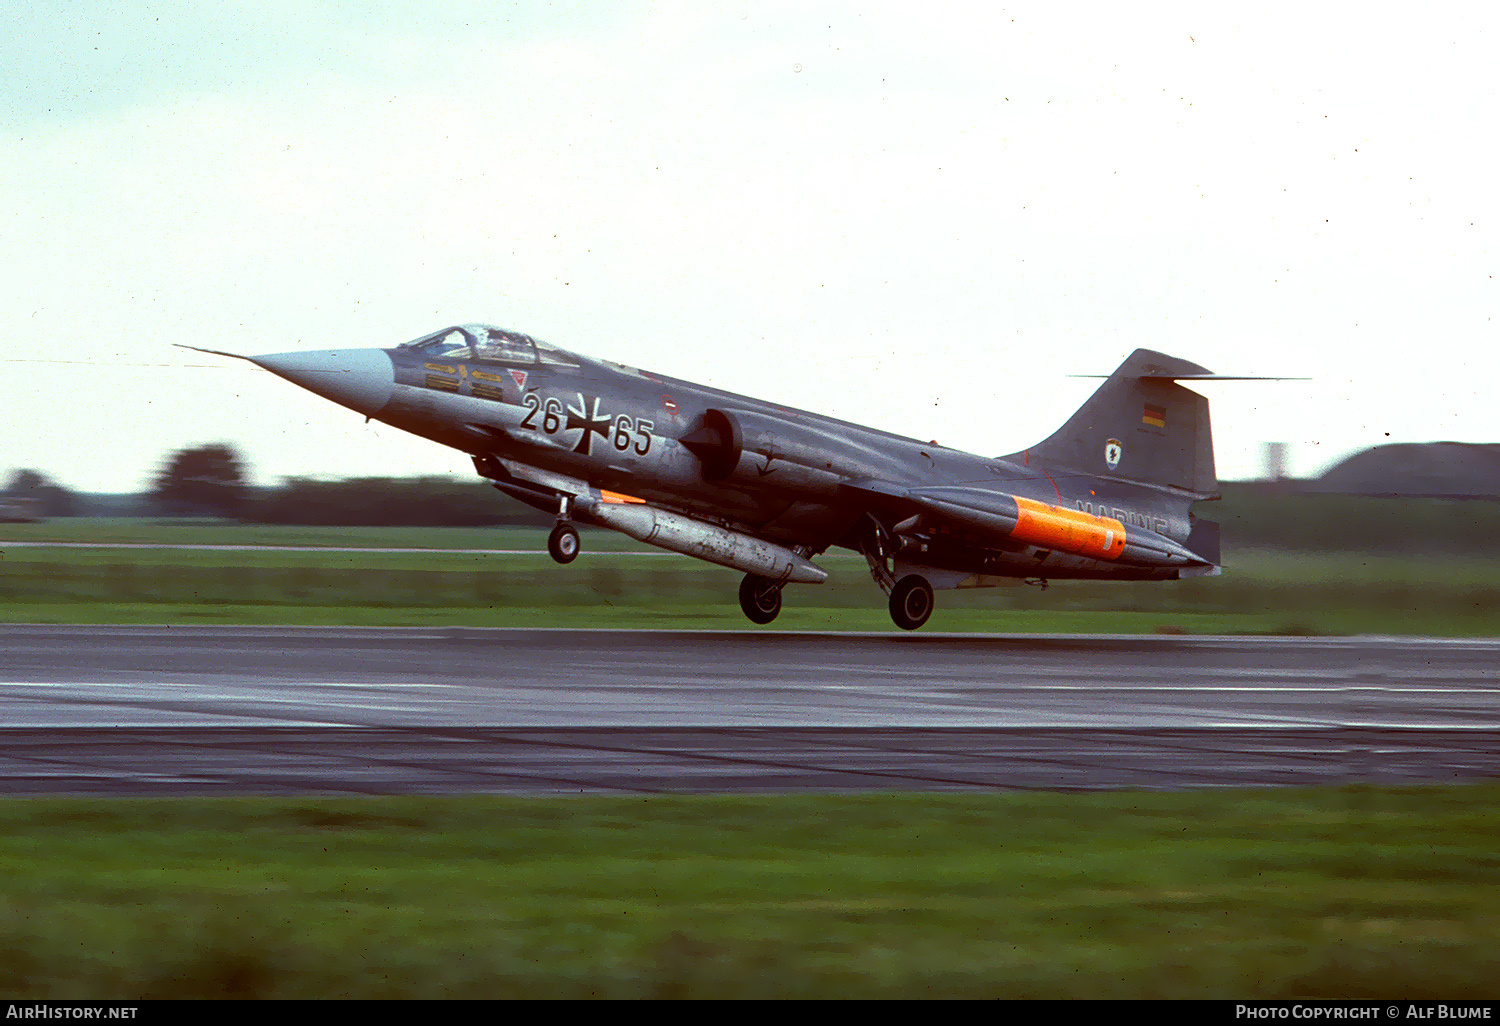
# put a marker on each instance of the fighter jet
(765, 489)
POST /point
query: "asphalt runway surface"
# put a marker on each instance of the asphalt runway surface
(167, 711)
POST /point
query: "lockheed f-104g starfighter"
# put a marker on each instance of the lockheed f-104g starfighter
(764, 489)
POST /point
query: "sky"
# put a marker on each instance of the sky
(921, 222)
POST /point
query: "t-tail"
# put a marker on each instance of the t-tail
(1148, 433)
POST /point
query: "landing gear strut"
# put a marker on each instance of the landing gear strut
(760, 598)
(911, 602)
(562, 543)
(911, 597)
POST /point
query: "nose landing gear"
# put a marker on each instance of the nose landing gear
(562, 543)
(760, 598)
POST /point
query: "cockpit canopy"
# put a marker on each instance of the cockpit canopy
(487, 344)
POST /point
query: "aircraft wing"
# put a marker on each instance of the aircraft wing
(978, 510)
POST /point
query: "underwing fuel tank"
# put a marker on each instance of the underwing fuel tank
(1074, 532)
(678, 533)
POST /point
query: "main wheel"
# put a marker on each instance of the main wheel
(911, 602)
(563, 544)
(760, 598)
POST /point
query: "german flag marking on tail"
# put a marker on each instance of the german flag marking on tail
(1156, 416)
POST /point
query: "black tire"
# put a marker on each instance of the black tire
(911, 602)
(563, 544)
(760, 598)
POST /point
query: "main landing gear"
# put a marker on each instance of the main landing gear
(911, 602)
(760, 598)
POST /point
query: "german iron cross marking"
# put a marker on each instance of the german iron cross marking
(591, 422)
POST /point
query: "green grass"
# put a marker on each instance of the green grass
(1261, 591)
(1374, 893)
(720, 616)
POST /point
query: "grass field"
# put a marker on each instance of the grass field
(611, 584)
(1340, 893)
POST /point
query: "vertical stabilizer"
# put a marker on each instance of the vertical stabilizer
(1140, 427)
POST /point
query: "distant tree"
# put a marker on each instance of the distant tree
(204, 481)
(25, 482)
(55, 500)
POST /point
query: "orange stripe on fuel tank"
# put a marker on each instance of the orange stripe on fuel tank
(1068, 530)
(617, 498)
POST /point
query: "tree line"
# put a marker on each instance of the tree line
(31, 495)
(209, 481)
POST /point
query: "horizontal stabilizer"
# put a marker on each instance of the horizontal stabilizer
(1195, 377)
(1145, 363)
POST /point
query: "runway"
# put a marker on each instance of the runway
(156, 711)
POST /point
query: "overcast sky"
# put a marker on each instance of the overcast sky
(918, 221)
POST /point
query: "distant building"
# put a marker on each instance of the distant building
(1432, 470)
(1275, 460)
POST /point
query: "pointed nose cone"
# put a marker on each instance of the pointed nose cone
(360, 379)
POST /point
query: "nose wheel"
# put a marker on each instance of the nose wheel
(760, 599)
(562, 543)
(911, 602)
